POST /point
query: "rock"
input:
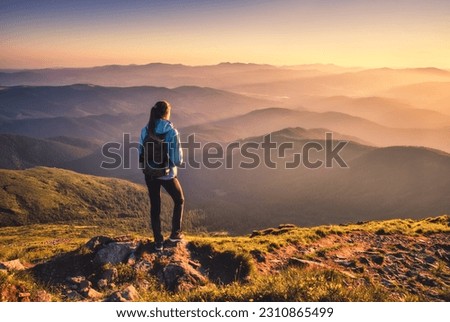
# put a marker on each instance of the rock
(143, 266)
(43, 296)
(73, 296)
(131, 259)
(400, 247)
(255, 233)
(102, 283)
(286, 226)
(172, 274)
(78, 283)
(143, 284)
(180, 276)
(110, 274)
(113, 253)
(116, 297)
(14, 265)
(128, 294)
(84, 286)
(346, 263)
(93, 294)
(363, 260)
(377, 259)
(76, 279)
(97, 242)
(430, 259)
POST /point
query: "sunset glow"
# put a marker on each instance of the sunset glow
(37, 34)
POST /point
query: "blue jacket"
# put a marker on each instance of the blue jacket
(173, 139)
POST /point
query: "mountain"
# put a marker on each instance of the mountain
(21, 152)
(361, 83)
(385, 111)
(287, 85)
(192, 104)
(379, 183)
(98, 128)
(103, 114)
(392, 181)
(430, 95)
(272, 119)
(159, 74)
(91, 164)
(50, 195)
(299, 133)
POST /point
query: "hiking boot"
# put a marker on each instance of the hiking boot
(159, 246)
(176, 237)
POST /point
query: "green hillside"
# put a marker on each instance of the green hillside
(48, 195)
(51, 195)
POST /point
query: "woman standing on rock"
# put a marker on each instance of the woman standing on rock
(159, 155)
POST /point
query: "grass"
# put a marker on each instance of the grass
(50, 195)
(290, 285)
(37, 243)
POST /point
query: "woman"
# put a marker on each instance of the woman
(160, 126)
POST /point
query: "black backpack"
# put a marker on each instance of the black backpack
(155, 155)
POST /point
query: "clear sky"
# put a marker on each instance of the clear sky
(381, 33)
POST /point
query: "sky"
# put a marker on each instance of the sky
(362, 33)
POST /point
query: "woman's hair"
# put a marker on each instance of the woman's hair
(159, 111)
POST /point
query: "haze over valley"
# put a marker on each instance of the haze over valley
(397, 152)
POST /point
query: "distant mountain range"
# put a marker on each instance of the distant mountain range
(271, 119)
(397, 122)
(21, 152)
(384, 111)
(102, 114)
(196, 103)
(159, 74)
(380, 183)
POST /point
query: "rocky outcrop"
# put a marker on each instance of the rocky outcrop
(114, 253)
(115, 269)
(128, 294)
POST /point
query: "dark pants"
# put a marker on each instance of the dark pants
(175, 191)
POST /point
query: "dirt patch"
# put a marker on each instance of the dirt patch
(403, 264)
(221, 267)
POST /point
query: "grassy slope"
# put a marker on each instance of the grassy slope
(46, 195)
(36, 243)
